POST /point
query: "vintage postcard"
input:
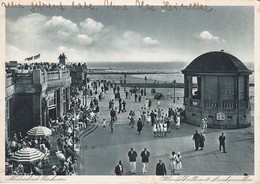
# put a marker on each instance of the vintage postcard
(129, 91)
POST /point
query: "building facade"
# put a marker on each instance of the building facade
(222, 94)
(33, 98)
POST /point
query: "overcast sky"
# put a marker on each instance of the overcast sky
(108, 35)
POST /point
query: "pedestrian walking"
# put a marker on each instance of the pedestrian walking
(119, 169)
(160, 168)
(155, 129)
(145, 159)
(164, 128)
(152, 115)
(149, 104)
(146, 103)
(111, 126)
(139, 125)
(112, 114)
(178, 163)
(196, 138)
(173, 162)
(136, 96)
(120, 107)
(161, 128)
(104, 124)
(202, 125)
(124, 103)
(222, 139)
(202, 140)
(139, 98)
(132, 158)
(178, 123)
(206, 125)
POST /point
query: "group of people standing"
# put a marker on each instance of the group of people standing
(199, 140)
(175, 163)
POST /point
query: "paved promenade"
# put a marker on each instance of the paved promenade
(101, 150)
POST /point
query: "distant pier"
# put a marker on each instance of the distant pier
(114, 72)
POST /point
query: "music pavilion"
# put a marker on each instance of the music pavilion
(222, 94)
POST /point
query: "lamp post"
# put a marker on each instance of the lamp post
(145, 78)
(73, 134)
(174, 85)
(125, 82)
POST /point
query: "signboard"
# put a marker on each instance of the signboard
(221, 116)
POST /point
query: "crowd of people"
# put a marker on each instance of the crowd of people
(18, 142)
(29, 67)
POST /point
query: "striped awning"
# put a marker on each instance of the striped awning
(39, 131)
(27, 155)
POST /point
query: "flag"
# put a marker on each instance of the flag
(29, 58)
(36, 57)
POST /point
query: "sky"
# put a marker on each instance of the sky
(104, 34)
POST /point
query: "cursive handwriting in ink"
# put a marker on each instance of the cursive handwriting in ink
(144, 7)
(11, 5)
(109, 4)
(42, 5)
(195, 6)
(82, 6)
(167, 6)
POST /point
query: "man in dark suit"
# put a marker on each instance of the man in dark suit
(132, 158)
(196, 138)
(222, 139)
(145, 159)
(119, 169)
(160, 168)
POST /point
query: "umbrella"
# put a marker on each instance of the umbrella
(27, 155)
(39, 131)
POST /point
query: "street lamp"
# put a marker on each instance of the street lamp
(145, 78)
(174, 85)
(73, 134)
(125, 82)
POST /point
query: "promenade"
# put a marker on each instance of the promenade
(101, 150)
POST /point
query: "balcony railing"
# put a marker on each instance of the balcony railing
(211, 104)
(215, 105)
(28, 78)
(228, 105)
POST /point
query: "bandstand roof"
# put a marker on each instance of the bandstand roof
(216, 62)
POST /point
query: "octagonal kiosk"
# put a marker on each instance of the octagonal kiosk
(221, 94)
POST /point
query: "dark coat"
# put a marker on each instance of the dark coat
(202, 139)
(145, 157)
(222, 139)
(160, 169)
(139, 126)
(112, 113)
(132, 156)
(117, 170)
(196, 137)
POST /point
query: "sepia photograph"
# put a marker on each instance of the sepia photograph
(129, 90)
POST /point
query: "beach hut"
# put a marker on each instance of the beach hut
(216, 87)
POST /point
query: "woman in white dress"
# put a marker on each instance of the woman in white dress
(164, 128)
(155, 129)
(173, 162)
(178, 123)
(178, 163)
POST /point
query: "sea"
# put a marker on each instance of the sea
(174, 67)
